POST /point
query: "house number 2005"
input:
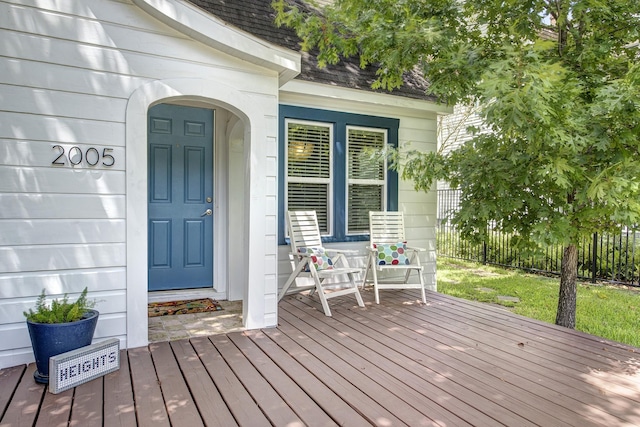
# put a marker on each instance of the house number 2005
(91, 156)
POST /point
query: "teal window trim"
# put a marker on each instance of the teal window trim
(340, 121)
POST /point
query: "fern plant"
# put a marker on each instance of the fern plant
(60, 311)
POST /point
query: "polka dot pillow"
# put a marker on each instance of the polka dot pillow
(392, 254)
(318, 257)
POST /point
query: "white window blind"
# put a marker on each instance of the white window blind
(308, 168)
(367, 176)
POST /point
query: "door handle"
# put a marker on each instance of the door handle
(207, 212)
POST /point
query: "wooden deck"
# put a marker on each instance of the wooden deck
(449, 363)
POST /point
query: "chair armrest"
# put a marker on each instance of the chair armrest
(298, 254)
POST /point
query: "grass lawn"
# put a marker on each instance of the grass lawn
(607, 311)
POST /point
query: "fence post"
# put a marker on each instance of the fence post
(594, 257)
(484, 252)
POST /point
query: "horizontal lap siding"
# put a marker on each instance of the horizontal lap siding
(69, 69)
(454, 132)
(61, 180)
(419, 207)
(61, 206)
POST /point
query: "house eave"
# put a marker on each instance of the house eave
(299, 88)
(208, 29)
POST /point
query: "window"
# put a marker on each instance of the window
(366, 176)
(308, 178)
(330, 163)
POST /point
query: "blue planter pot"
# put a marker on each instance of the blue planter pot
(51, 339)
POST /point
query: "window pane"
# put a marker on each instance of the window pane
(366, 176)
(362, 199)
(308, 150)
(310, 197)
(363, 147)
(309, 169)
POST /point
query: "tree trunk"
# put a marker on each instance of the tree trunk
(568, 288)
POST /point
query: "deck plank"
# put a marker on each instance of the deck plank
(150, 407)
(456, 361)
(375, 413)
(330, 402)
(352, 369)
(25, 402)
(348, 344)
(419, 371)
(589, 351)
(9, 378)
(560, 382)
(86, 410)
(274, 407)
(241, 404)
(546, 344)
(576, 338)
(55, 409)
(206, 396)
(299, 402)
(119, 406)
(563, 375)
(177, 398)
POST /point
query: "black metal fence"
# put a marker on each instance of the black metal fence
(606, 257)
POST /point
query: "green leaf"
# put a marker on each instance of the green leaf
(60, 310)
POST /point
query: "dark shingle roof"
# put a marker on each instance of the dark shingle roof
(257, 18)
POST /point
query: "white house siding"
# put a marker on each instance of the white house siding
(453, 133)
(73, 74)
(418, 130)
(454, 130)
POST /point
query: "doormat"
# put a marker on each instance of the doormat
(183, 307)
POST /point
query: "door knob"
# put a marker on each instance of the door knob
(207, 212)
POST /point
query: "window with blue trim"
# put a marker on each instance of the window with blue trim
(328, 164)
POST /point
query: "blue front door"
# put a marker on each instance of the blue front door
(180, 197)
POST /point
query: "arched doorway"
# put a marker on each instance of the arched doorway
(234, 116)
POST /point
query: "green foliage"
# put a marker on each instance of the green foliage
(559, 90)
(60, 311)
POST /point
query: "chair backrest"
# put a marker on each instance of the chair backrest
(386, 227)
(303, 229)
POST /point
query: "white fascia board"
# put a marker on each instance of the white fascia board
(296, 88)
(212, 31)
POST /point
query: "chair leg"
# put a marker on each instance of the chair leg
(407, 275)
(376, 291)
(292, 277)
(323, 299)
(424, 295)
(366, 272)
(357, 291)
(318, 289)
(416, 258)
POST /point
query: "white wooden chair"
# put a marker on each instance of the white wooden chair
(312, 260)
(389, 253)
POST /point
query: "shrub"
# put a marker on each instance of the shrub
(60, 311)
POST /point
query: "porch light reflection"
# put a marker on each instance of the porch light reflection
(300, 150)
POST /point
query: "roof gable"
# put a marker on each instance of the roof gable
(257, 17)
(213, 31)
